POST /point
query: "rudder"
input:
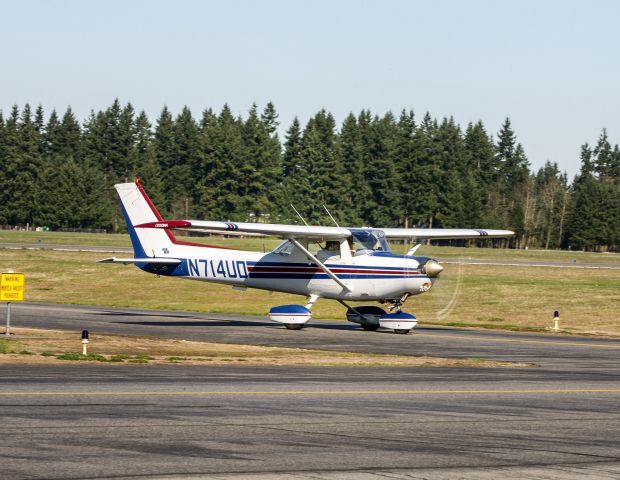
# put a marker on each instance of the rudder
(138, 209)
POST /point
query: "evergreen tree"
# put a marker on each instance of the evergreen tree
(594, 222)
(452, 211)
(146, 167)
(269, 119)
(351, 151)
(58, 193)
(294, 176)
(322, 174)
(259, 179)
(222, 157)
(427, 152)
(25, 163)
(164, 151)
(481, 185)
(406, 168)
(513, 182)
(4, 165)
(383, 209)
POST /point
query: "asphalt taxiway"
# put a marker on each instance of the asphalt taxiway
(559, 419)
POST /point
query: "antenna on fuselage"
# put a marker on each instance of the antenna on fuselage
(330, 216)
(299, 215)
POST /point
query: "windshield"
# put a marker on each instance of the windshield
(368, 240)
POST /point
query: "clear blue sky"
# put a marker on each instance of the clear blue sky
(552, 66)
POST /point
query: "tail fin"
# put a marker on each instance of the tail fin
(138, 209)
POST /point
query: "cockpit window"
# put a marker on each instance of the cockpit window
(369, 240)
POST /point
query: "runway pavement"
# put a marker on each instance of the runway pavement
(564, 352)
(559, 419)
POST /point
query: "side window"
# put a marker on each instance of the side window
(285, 249)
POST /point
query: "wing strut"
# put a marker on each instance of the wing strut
(321, 265)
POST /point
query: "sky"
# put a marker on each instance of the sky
(551, 66)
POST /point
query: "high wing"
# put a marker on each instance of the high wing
(444, 233)
(272, 229)
(318, 232)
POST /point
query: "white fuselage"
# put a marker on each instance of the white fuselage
(368, 277)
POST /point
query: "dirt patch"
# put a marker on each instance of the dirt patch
(37, 346)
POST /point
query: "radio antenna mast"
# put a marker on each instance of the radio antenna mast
(330, 216)
(299, 215)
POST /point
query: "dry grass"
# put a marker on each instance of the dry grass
(269, 243)
(46, 346)
(526, 297)
(475, 295)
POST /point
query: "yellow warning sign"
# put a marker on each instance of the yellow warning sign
(12, 286)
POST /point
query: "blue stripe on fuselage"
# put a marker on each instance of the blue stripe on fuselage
(328, 265)
(322, 276)
(138, 249)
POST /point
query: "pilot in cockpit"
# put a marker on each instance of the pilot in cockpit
(332, 249)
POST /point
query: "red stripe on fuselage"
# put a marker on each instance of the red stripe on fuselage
(285, 269)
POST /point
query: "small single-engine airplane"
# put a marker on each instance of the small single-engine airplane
(356, 264)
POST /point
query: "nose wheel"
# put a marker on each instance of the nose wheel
(396, 306)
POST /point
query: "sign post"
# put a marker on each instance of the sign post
(12, 286)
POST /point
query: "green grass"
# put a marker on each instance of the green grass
(474, 295)
(268, 243)
(122, 240)
(78, 356)
(103, 358)
(6, 345)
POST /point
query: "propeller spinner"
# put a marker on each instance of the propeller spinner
(431, 267)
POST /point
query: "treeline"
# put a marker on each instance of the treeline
(373, 170)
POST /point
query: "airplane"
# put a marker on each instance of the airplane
(356, 264)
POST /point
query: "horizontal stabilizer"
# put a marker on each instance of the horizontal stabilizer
(155, 260)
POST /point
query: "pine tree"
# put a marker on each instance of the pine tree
(259, 178)
(452, 211)
(293, 174)
(351, 151)
(405, 164)
(513, 182)
(188, 158)
(219, 171)
(322, 179)
(26, 163)
(584, 220)
(269, 119)
(58, 192)
(384, 209)
(4, 165)
(426, 162)
(146, 168)
(164, 151)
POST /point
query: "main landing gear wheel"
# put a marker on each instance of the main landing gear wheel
(370, 327)
(294, 326)
(366, 316)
